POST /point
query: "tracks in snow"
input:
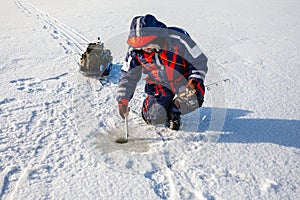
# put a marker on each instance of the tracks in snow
(57, 29)
(38, 136)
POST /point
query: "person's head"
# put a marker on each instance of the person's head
(146, 33)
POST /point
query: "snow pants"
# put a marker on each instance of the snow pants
(158, 104)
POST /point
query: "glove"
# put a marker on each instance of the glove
(198, 89)
(194, 92)
(191, 88)
(194, 87)
(123, 107)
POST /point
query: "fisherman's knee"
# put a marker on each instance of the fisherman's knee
(153, 112)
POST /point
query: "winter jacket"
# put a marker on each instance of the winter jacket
(178, 61)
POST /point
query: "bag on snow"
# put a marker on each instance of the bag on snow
(96, 60)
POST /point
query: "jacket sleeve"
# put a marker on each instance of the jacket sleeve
(191, 52)
(198, 67)
(197, 62)
(130, 74)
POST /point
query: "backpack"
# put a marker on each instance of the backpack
(96, 60)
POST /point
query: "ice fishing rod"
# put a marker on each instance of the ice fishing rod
(124, 139)
(216, 83)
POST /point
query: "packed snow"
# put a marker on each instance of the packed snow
(57, 127)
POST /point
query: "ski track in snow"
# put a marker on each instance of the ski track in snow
(57, 29)
(49, 149)
(45, 149)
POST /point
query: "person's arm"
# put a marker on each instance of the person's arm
(198, 72)
(131, 74)
(190, 51)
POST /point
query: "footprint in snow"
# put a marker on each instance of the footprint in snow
(29, 85)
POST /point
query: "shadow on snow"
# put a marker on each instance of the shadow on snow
(238, 129)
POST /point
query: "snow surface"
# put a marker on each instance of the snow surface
(57, 127)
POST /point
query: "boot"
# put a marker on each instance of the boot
(173, 122)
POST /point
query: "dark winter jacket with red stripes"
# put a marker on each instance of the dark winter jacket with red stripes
(178, 61)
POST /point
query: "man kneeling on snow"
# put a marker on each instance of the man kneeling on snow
(174, 66)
